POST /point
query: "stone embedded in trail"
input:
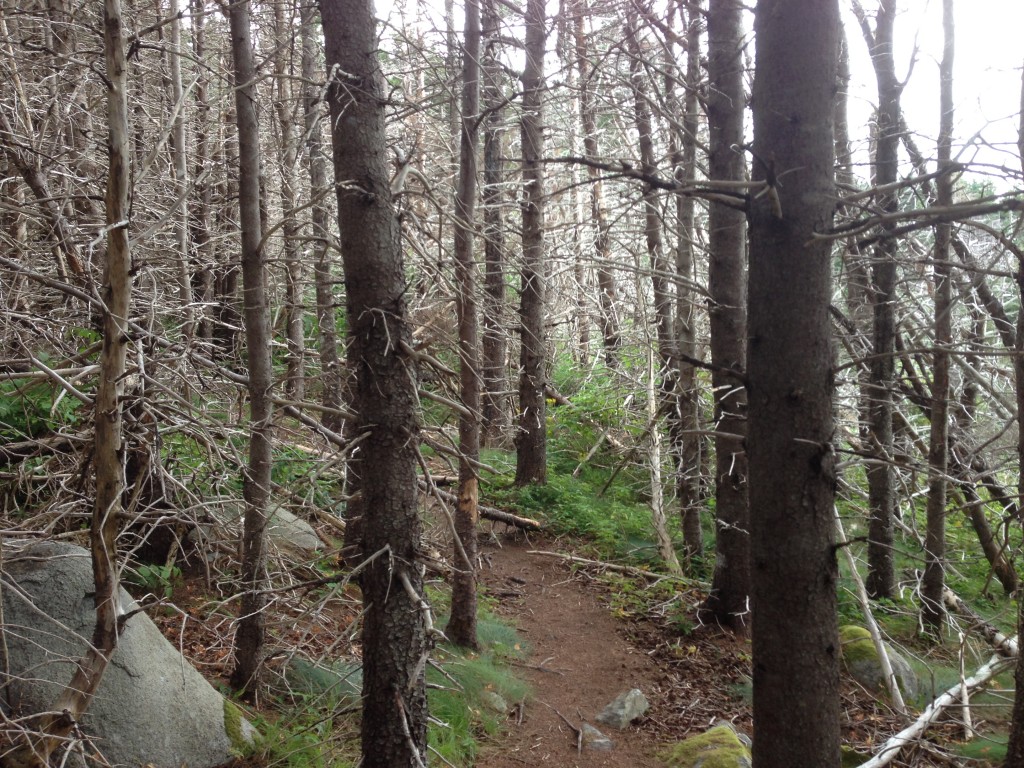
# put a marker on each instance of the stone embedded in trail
(594, 739)
(626, 708)
(152, 706)
(720, 747)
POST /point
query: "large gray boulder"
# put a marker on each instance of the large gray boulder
(152, 706)
(287, 533)
(862, 663)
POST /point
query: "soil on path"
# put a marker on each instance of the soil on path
(580, 660)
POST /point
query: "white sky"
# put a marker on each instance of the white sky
(987, 78)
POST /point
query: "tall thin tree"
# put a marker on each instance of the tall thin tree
(607, 291)
(1015, 745)
(728, 600)
(495, 412)
(383, 469)
(932, 612)
(531, 439)
(56, 725)
(462, 623)
(316, 164)
(684, 427)
(881, 580)
(250, 637)
(789, 381)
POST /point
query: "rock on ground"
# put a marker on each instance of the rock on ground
(152, 706)
(594, 739)
(286, 533)
(626, 708)
(720, 747)
(863, 665)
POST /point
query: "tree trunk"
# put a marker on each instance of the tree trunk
(607, 292)
(495, 414)
(251, 633)
(652, 214)
(201, 257)
(684, 428)
(789, 380)
(461, 628)
(728, 600)
(932, 611)
(295, 340)
(326, 317)
(52, 728)
(1015, 746)
(394, 723)
(181, 224)
(531, 440)
(881, 580)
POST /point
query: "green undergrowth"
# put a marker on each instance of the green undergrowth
(985, 750)
(937, 664)
(469, 694)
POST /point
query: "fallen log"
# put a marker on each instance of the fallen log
(950, 698)
(490, 513)
(629, 570)
(1003, 644)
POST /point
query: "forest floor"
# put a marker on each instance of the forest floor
(589, 635)
(581, 657)
(589, 640)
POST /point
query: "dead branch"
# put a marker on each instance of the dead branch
(490, 513)
(629, 570)
(951, 697)
(1003, 644)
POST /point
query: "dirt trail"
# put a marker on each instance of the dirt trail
(580, 660)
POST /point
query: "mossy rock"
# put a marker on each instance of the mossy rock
(861, 661)
(244, 737)
(852, 758)
(719, 747)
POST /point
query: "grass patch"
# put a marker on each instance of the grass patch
(987, 750)
(473, 691)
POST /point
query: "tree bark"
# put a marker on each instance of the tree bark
(320, 234)
(395, 647)
(685, 428)
(881, 580)
(652, 213)
(250, 636)
(461, 628)
(1015, 745)
(531, 440)
(287, 154)
(607, 291)
(495, 415)
(201, 256)
(53, 727)
(932, 610)
(789, 380)
(727, 602)
(181, 224)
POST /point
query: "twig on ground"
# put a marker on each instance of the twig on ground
(617, 568)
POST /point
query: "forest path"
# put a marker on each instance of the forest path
(580, 659)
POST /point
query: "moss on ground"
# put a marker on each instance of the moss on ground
(719, 747)
(233, 728)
